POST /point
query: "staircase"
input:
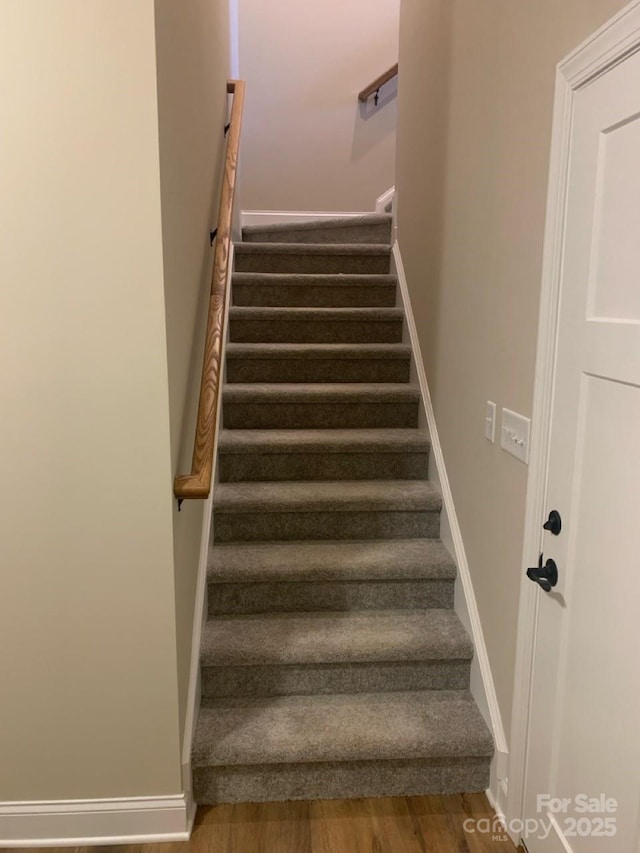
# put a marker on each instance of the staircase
(332, 662)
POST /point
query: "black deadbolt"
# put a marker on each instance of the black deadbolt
(554, 524)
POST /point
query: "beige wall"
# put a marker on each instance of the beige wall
(89, 699)
(474, 129)
(306, 144)
(192, 45)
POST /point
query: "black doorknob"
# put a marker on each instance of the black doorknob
(554, 523)
(546, 576)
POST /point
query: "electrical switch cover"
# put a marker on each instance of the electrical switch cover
(515, 433)
(490, 422)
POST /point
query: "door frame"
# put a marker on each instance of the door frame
(608, 46)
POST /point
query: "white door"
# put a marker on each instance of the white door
(582, 787)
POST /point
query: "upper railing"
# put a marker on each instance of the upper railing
(378, 83)
(197, 484)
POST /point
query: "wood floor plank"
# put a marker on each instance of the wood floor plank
(363, 826)
(341, 825)
(392, 825)
(438, 820)
(397, 826)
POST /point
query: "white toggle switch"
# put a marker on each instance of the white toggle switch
(514, 437)
(490, 422)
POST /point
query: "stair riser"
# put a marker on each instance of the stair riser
(292, 262)
(325, 296)
(268, 526)
(295, 331)
(320, 415)
(369, 234)
(317, 370)
(252, 467)
(263, 681)
(338, 780)
(357, 562)
(293, 597)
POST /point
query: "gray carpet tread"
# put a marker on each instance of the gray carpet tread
(323, 440)
(331, 289)
(366, 227)
(371, 315)
(358, 727)
(317, 351)
(327, 496)
(322, 638)
(352, 249)
(310, 560)
(309, 392)
(306, 279)
(320, 325)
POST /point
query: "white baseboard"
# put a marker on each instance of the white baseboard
(201, 603)
(498, 803)
(199, 619)
(290, 217)
(482, 684)
(75, 823)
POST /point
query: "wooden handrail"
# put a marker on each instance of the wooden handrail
(373, 88)
(197, 484)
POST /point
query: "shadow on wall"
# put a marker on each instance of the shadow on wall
(374, 123)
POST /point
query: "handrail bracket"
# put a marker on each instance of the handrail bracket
(378, 83)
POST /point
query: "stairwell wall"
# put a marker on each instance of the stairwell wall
(192, 48)
(89, 698)
(474, 133)
(308, 144)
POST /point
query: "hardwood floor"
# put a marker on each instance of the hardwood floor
(398, 825)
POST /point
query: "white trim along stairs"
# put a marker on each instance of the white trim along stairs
(481, 684)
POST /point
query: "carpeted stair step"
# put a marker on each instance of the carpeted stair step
(334, 746)
(315, 325)
(362, 560)
(279, 290)
(317, 575)
(318, 362)
(389, 509)
(320, 406)
(255, 455)
(372, 228)
(359, 652)
(312, 258)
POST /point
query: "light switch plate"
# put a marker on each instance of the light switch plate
(490, 422)
(514, 435)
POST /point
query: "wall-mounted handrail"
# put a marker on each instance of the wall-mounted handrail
(374, 88)
(197, 484)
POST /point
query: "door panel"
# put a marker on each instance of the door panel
(597, 749)
(615, 259)
(585, 711)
